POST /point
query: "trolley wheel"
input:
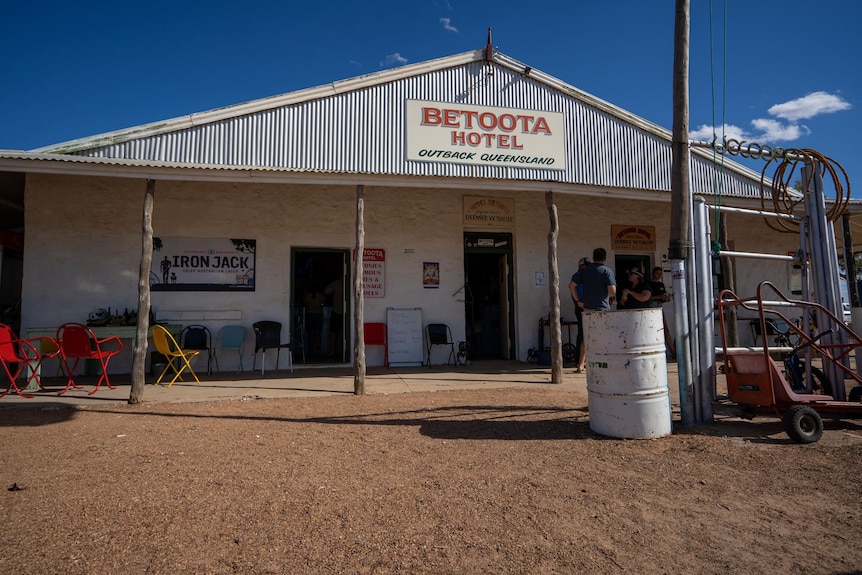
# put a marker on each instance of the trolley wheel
(569, 352)
(803, 424)
(855, 394)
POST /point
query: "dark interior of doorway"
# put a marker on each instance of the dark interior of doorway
(482, 295)
(625, 262)
(319, 281)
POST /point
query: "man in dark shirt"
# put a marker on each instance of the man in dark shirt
(598, 281)
(599, 286)
(638, 296)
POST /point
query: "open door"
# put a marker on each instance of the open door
(321, 305)
(488, 294)
(505, 308)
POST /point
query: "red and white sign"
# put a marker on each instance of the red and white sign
(373, 272)
(486, 135)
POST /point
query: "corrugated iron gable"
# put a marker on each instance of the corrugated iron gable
(357, 126)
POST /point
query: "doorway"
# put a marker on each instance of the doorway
(489, 308)
(321, 305)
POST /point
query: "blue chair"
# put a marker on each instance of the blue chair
(230, 337)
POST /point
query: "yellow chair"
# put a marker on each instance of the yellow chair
(168, 347)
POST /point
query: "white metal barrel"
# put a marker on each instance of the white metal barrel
(627, 373)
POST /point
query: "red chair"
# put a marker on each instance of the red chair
(375, 334)
(78, 342)
(21, 353)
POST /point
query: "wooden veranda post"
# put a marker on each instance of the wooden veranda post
(679, 248)
(554, 328)
(140, 353)
(358, 296)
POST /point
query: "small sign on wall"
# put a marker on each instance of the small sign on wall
(489, 212)
(373, 272)
(633, 238)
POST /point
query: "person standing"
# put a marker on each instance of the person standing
(639, 295)
(599, 287)
(578, 294)
(335, 289)
(314, 300)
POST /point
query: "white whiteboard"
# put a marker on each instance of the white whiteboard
(404, 332)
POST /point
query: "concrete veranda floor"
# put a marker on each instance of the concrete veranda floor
(308, 382)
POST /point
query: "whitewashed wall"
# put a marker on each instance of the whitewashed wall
(83, 247)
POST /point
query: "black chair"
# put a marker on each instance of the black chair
(199, 337)
(439, 334)
(775, 327)
(267, 335)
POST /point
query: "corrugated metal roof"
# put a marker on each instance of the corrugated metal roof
(357, 126)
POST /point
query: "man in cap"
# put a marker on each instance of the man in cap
(599, 286)
(639, 295)
(578, 294)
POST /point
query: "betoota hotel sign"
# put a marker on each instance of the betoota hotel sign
(457, 133)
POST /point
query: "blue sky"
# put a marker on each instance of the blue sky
(784, 74)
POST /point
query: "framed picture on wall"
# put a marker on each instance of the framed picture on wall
(431, 275)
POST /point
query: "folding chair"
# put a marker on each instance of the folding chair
(168, 347)
(439, 334)
(23, 354)
(78, 342)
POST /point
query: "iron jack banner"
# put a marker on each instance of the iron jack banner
(202, 264)
(458, 133)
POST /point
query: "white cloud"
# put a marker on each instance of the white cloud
(775, 131)
(705, 132)
(395, 59)
(769, 130)
(447, 24)
(766, 131)
(809, 106)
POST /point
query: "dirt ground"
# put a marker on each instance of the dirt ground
(497, 481)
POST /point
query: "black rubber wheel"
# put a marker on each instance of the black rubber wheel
(803, 424)
(855, 394)
(569, 352)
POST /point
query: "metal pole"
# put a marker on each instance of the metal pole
(692, 265)
(825, 264)
(683, 341)
(705, 390)
(765, 214)
(759, 256)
